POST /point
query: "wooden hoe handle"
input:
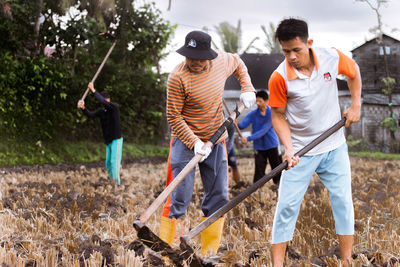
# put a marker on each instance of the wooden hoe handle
(99, 69)
(185, 171)
(239, 198)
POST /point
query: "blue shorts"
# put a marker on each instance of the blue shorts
(333, 168)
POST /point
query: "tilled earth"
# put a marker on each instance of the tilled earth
(75, 216)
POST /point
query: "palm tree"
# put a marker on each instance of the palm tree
(271, 43)
(231, 37)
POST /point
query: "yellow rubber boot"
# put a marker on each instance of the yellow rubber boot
(167, 229)
(211, 237)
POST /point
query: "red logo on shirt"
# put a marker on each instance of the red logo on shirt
(327, 77)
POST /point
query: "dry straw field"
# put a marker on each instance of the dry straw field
(76, 217)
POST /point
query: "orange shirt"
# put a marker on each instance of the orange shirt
(194, 100)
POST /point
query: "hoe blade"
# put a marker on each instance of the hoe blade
(189, 254)
(154, 242)
(149, 238)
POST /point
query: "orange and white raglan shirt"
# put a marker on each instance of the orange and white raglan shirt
(194, 100)
(312, 103)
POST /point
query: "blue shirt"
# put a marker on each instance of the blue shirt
(264, 136)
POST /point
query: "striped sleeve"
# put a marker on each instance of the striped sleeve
(347, 66)
(175, 103)
(236, 66)
(277, 90)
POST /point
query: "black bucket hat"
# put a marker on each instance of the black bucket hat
(197, 46)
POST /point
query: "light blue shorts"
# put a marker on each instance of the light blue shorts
(113, 159)
(333, 168)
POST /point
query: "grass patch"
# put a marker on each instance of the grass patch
(27, 153)
(14, 153)
(375, 155)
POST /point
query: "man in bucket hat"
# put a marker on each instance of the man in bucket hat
(194, 112)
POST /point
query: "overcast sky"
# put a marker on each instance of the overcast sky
(343, 24)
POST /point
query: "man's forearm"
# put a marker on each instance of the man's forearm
(243, 77)
(88, 113)
(101, 99)
(354, 112)
(282, 129)
(355, 86)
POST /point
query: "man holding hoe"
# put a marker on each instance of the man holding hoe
(194, 112)
(304, 102)
(110, 124)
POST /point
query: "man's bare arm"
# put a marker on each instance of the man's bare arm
(353, 113)
(282, 129)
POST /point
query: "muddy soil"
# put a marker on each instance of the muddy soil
(73, 215)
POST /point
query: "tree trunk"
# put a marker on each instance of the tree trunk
(39, 6)
(125, 8)
(74, 59)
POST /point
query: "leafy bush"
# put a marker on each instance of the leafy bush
(38, 94)
(33, 97)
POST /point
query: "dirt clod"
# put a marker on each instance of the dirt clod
(254, 255)
(137, 246)
(335, 251)
(318, 262)
(378, 197)
(293, 254)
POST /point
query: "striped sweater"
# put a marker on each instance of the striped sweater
(194, 100)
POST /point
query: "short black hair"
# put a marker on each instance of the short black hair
(105, 94)
(291, 28)
(262, 94)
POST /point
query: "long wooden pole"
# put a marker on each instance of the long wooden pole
(244, 194)
(99, 69)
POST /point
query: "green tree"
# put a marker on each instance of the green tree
(38, 94)
(103, 11)
(31, 16)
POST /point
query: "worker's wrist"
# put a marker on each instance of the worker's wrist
(289, 150)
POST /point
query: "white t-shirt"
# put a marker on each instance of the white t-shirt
(312, 103)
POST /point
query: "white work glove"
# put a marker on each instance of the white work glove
(198, 149)
(248, 99)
